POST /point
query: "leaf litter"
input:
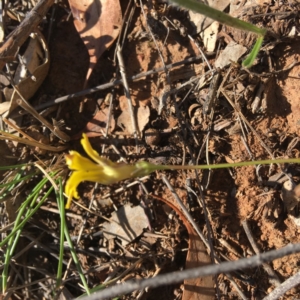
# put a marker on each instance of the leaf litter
(183, 131)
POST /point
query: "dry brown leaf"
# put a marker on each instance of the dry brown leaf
(232, 52)
(125, 122)
(126, 224)
(29, 79)
(97, 126)
(98, 23)
(201, 287)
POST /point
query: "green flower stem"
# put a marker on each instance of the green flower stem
(149, 168)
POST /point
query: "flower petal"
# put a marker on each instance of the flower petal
(92, 153)
(104, 172)
(76, 161)
(76, 178)
(104, 175)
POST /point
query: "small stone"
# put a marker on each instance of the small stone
(152, 137)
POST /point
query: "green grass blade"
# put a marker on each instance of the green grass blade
(16, 180)
(251, 57)
(220, 16)
(61, 206)
(230, 21)
(19, 224)
(10, 186)
(75, 258)
(4, 168)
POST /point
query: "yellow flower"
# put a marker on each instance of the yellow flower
(99, 170)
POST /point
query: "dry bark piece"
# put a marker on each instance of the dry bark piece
(98, 23)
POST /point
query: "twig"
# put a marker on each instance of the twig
(212, 93)
(195, 226)
(20, 131)
(179, 276)
(248, 123)
(8, 136)
(284, 287)
(163, 98)
(273, 278)
(119, 190)
(229, 247)
(18, 37)
(127, 18)
(127, 94)
(186, 213)
(55, 130)
(116, 82)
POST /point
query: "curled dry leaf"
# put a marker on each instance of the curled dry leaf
(31, 73)
(98, 22)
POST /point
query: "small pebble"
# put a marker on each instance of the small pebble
(152, 137)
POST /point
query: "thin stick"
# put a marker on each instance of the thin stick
(284, 287)
(8, 136)
(179, 276)
(20, 131)
(136, 132)
(25, 105)
(273, 278)
(247, 122)
(186, 213)
(108, 85)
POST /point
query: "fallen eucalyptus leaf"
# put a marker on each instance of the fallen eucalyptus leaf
(98, 22)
